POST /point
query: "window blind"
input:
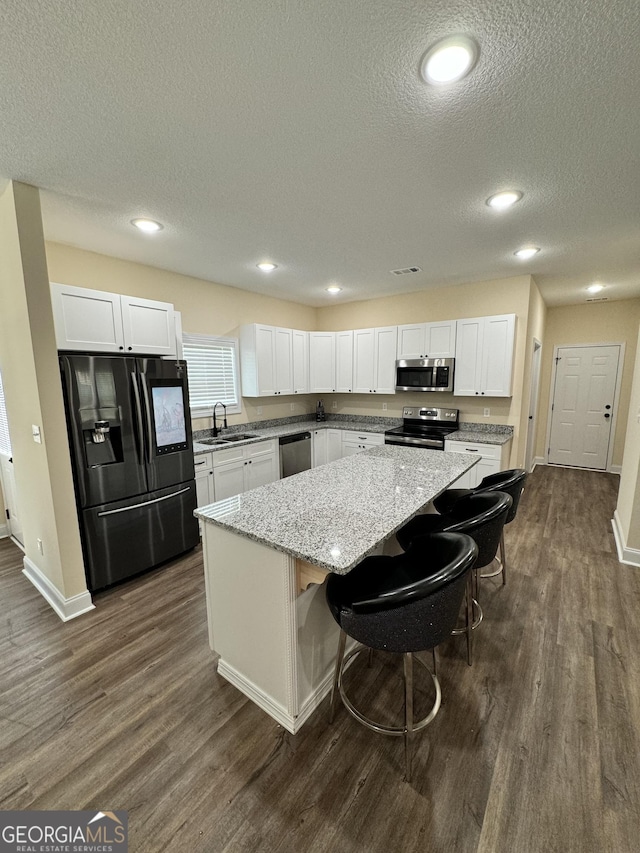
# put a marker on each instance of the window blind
(212, 365)
(5, 441)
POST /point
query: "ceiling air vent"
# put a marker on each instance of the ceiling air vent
(598, 299)
(406, 271)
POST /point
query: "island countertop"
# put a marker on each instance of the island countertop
(335, 515)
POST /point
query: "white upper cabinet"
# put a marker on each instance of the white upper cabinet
(96, 321)
(427, 340)
(266, 360)
(322, 362)
(300, 350)
(149, 326)
(484, 356)
(344, 362)
(374, 360)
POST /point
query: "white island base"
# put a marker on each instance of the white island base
(276, 644)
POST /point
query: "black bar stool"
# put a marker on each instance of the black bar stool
(482, 516)
(511, 482)
(403, 604)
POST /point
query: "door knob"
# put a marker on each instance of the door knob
(607, 407)
(607, 415)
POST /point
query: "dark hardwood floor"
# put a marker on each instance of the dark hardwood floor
(536, 748)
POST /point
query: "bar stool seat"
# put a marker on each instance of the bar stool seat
(512, 482)
(403, 604)
(481, 516)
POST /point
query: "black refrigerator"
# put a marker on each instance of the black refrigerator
(132, 456)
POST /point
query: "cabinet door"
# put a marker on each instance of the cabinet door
(204, 479)
(344, 362)
(497, 355)
(440, 339)
(469, 336)
(350, 448)
(322, 362)
(300, 357)
(385, 359)
(283, 361)
(260, 470)
(364, 346)
(334, 444)
(411, 341)
(265, 346)
(149, 327)
(87, 320)
(319, 447)
(228, 479)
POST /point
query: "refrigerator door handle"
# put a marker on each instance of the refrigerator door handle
(138, 415)
(144, 503)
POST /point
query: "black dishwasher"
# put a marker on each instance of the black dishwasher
(295, 453)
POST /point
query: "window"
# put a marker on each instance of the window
(213, 373)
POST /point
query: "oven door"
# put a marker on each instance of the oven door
(414, 441)
(424, 374)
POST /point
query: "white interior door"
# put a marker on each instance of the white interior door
(10, 497)
(582, 410)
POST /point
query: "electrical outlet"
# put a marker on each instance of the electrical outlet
(384, 407)
(39, 544)
(487, 413)
(293, 407)
(259, 410)
(334, 405)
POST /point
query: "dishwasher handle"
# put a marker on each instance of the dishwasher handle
(299, 436)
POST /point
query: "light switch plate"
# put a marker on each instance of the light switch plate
(35, 432)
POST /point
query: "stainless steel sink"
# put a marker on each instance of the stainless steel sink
(228, 439)
(240, 437)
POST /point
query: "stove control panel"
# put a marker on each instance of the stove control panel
(424, 414)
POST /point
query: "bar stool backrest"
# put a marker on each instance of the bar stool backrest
(511, 482)
(481, 515)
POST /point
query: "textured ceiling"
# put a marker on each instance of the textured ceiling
(300, 132)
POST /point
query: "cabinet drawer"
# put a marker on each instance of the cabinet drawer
(371, 439)
(247, 451)
(487, 451)
(259, 449)
(202, 461)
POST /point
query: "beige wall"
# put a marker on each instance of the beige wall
(206, 307)
(628, 508)
(31, 380)
(590, 323)
(503, 296)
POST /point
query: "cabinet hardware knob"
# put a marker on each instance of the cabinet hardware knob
(120, 347)
(129, 348)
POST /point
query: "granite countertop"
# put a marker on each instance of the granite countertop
(264, 433)
(479, 433)
(335, 515)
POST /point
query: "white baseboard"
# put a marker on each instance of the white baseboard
(537, 460)
(66, 608)
(4, 531)
(262, 699)
(615, 469)
(629, 556)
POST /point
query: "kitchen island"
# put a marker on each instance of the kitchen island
(263, 550)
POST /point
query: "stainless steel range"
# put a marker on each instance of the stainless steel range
(423, 427)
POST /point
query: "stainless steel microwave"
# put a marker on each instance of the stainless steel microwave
(424, 374)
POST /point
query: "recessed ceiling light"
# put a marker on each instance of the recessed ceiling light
(267, 266)
(501, 201)
(527, 252)
(449, 60)
(333, 288)
(149, 226)
(595, 288)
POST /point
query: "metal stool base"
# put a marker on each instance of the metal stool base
(396, 731)
(477, 619)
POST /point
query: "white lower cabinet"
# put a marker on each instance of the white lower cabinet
(356, 442)
(493, 458)
(205, 493)
(319, 447)
(334, 444)
(238, 469)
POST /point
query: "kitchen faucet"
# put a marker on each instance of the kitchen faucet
(215, 426)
